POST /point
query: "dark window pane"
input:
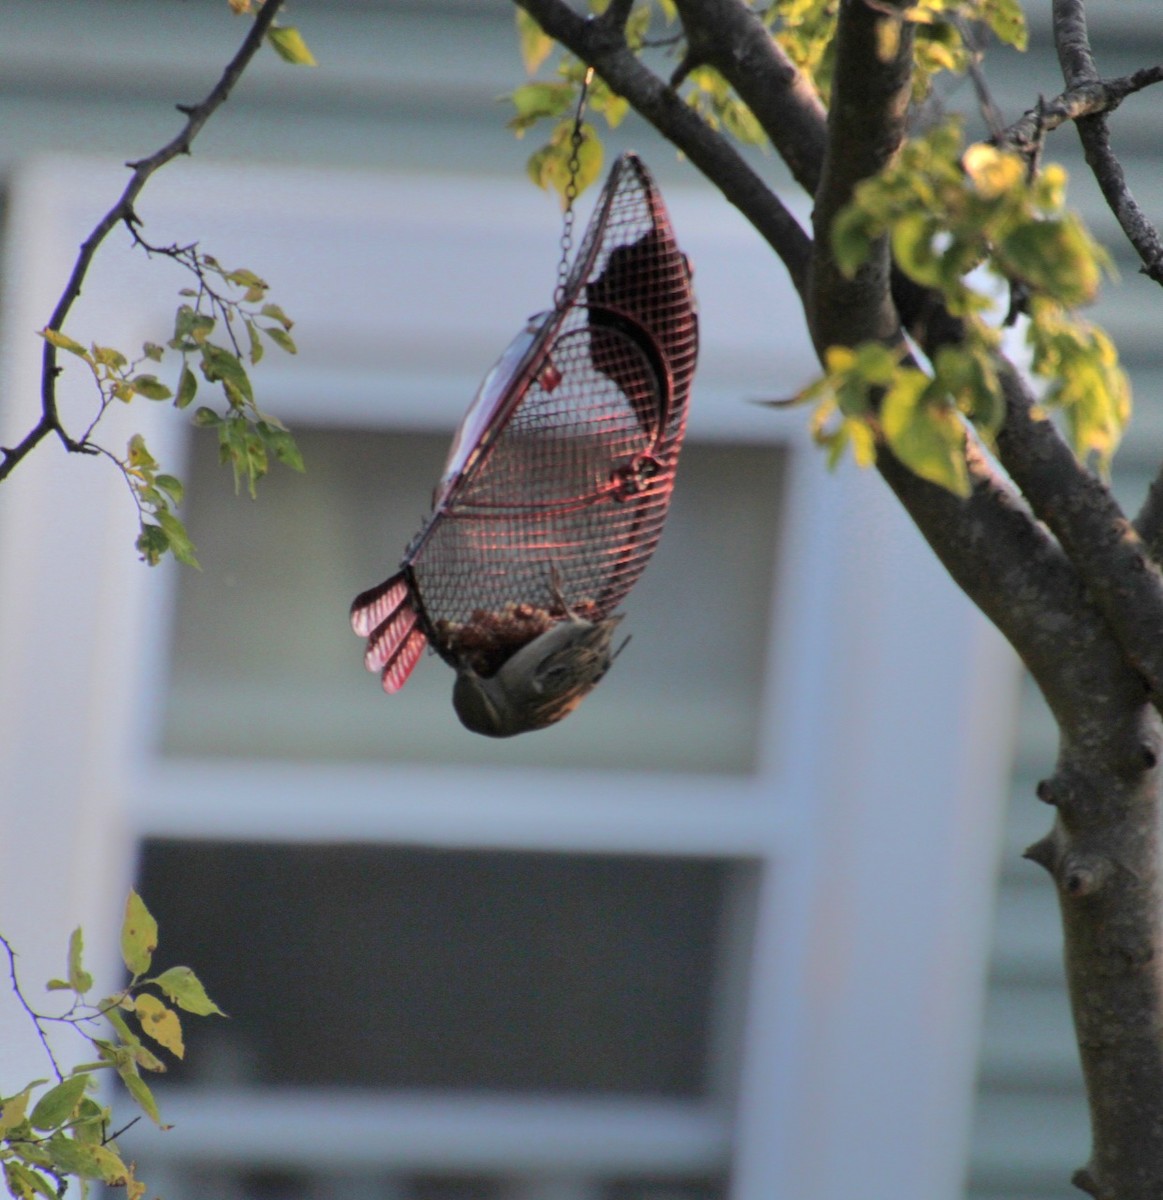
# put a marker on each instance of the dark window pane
(415, 968)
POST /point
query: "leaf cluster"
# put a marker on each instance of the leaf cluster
(804, 30)
(53, 1133)
(550, 166)
(960, 223)
(220, 329)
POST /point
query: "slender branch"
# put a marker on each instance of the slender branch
(123, 210)
(33, 1016)
(1088, 98)
(1086, 104)
(603, 47)
(1094, 134)
(1072, 42)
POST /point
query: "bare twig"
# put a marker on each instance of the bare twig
(1086, 99)
(196, 117)
(990, 113)
(33, 1015)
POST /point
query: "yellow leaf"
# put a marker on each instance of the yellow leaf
(536, 45)
(290, 46)
(139, 929)
(993, 172)
(160, 1023)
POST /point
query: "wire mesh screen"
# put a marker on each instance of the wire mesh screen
(569, 500)
(558, 481)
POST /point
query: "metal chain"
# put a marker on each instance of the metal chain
(576, 138)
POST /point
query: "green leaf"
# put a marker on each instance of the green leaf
(88, 1161)
(191, 328)
(153, 351)
(150, 387)
(206, 418)
(256, 347)
(56, 1106)
(139, 1090)
(536, 101)
(63, 342)
(138, 936)
(172, 486)
(536, 45)
(91, 1120)
(107, 356)
(281, 339)
(131, 1053)
(26, 1184)
(79, 979)
(243, 448)
(219, 365)
(187, 387)
(1007, 20)
(925, 434)
(246, 279)
(290, 47)
(1055, 257)
(181, 546)
(276, 314)
(852, 238)
(912, 248)
(549, 166)
(184, 988)
(138, 455)
(282, 446)
(160, 1023)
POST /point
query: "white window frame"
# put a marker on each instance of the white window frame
(886, 725)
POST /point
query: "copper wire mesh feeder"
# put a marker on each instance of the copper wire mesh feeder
(559, 478)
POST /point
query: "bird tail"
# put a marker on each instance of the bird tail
(386, 616)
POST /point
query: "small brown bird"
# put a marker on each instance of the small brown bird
(544, 681)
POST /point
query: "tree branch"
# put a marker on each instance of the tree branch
(603, 47)
(1117, 568)
(1072, 42)
(123, 211)
(731, 38)
(867, 123)
(1087, 99)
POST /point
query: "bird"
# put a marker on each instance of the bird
(542, 683)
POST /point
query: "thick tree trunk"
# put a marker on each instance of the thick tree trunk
(1103, 854)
